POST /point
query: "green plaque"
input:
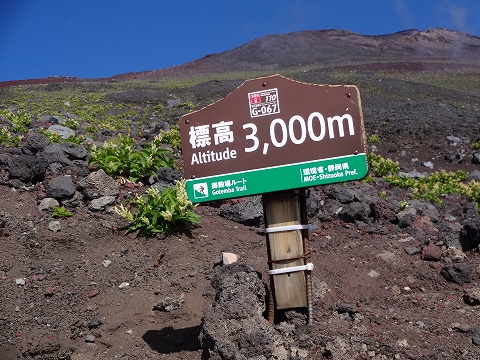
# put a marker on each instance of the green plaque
(292, 176)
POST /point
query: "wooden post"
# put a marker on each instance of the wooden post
(285, 248)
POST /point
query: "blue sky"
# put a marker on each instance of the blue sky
(101, 38)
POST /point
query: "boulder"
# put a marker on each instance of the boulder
(472, 296)
(98, 184)
(35, 142)
(54, 120)
(459, 273)
(61, 187)
(170, 303)
(329, 209)
(341, 193)
(47, 204)
(413, 174)
(101, 202)
(454, 140)
(54, 226)
(63, 131)
(74, 151)
(424, 223)
(229, 258)
(455, 158)
(354, 211)
(427, 209)
(476, 158)
(248, 212)
(172, 103)
(26, 168)
(406, 217)
(432, 253)
(383, 210)
(470, 234)
(168, 174)
(312, 206)
(54, 154)
(234, 326)
(474, 175)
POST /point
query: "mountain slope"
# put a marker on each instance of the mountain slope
(327, 48)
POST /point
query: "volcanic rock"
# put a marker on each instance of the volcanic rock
(98, 184)
(61, 187)
(247, 212)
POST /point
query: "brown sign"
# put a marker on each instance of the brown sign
(269, 122)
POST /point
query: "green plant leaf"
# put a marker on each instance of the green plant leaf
(160, 212)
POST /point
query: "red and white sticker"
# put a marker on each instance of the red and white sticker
(264, 102)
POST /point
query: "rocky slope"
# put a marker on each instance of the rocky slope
(391, 281)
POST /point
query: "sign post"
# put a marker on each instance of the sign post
(270, 136)
(285, 247)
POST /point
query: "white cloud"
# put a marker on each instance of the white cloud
(403, 13)
(459, 18)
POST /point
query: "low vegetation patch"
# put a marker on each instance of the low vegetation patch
(373, 139)
(121, 157)
(381, 166)
(171, 137)
(19, 123)
(9, 139)
(432, 187)
(476, 145)
(160, 212)
(61, 212)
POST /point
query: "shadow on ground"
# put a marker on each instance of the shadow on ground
(169, 340)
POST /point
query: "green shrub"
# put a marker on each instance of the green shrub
(160, 212)
(438, 184)
(404, 204)
(171, 137)
(60, 212)
(158, 109)
(400, 181)
(9, 139)
(471, 191)
(119, 158)
(20, 120)
(382, 166)
(431, 187)
(373, 139)
(383, 195)
(186, 105)
(476, 145)
(70, 123)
